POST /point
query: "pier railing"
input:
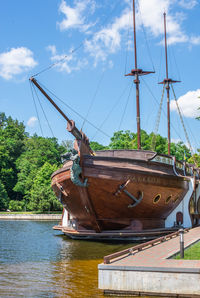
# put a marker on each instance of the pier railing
(129, 251)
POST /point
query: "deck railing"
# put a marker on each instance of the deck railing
(137, 248)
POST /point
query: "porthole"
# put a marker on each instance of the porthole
(157, 199)
(168, 199)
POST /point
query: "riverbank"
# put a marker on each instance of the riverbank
(30, 216)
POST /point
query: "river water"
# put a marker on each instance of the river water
(36, 261)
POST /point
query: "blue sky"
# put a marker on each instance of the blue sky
(96, 39)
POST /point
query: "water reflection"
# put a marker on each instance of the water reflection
(77, 271)
(36, 261)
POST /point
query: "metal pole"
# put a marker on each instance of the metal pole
(167, 87)
(137, 82)
(181, 233)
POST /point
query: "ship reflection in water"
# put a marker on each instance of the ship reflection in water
(36, 261)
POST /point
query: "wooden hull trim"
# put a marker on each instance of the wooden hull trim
(122, 192)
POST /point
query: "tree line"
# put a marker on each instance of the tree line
(27, 163)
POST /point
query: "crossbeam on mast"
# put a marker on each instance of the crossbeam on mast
(167, 83)
(136, 73)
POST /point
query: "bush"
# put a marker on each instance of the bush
(16, 205)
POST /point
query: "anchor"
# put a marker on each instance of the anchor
(136, 201)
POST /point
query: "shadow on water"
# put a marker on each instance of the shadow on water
(88, 250)
(36, 261)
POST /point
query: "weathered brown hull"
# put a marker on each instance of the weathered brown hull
(102, 206)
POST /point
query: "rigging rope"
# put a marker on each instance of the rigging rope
(191, 133)
(60, 60)
(158, 105)
(31, 87)
(74, 111)
(158, 120)
(34, 88)
(122, 118)
(145, 36)
(181, 118)
(79, 46)
(161, 54)
(128, 33)
(93, 98)
(112, 109)
(179, 76)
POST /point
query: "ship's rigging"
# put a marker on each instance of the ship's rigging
(136, 72)
(131, 191)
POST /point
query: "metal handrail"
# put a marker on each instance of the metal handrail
(137, 248)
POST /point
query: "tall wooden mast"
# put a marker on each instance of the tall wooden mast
(136, 73)
(167, 83)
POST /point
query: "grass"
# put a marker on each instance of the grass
(191, 253)
(31, 212)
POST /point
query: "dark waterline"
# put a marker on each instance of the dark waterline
(36, 261)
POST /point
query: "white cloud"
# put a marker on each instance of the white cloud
(108, 40)
(32, 121)
(52, 49)
(188, 103)
(188, 4)
(16, 61)
(66, 62)
(74, 16)
(152, 17)
(195, 40)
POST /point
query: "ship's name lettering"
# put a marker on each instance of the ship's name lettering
(145, 179)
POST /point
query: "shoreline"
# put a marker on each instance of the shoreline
(30, 216)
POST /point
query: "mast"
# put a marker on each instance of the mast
(137, 82)
(136, 73)
(167, 82)
(167, 88)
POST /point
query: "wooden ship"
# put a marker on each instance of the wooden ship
(124, 194)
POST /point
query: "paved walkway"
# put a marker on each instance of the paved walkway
(156, 257)
(151, 272)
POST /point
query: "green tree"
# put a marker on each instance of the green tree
(195, 159)
(123, 140)
(38, 150)
(3, 197)
(41, 196)
(128, 140)
(180, 151)
(12, 138)
(95, 146)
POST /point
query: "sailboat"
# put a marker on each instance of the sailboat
(124, 194)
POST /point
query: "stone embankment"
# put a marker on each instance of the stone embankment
(149, 269)
(30, 216)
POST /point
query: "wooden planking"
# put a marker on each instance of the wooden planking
(112, 211)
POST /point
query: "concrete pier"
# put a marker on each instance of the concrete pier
(148, 269)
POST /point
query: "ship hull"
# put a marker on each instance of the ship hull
(126, 189)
